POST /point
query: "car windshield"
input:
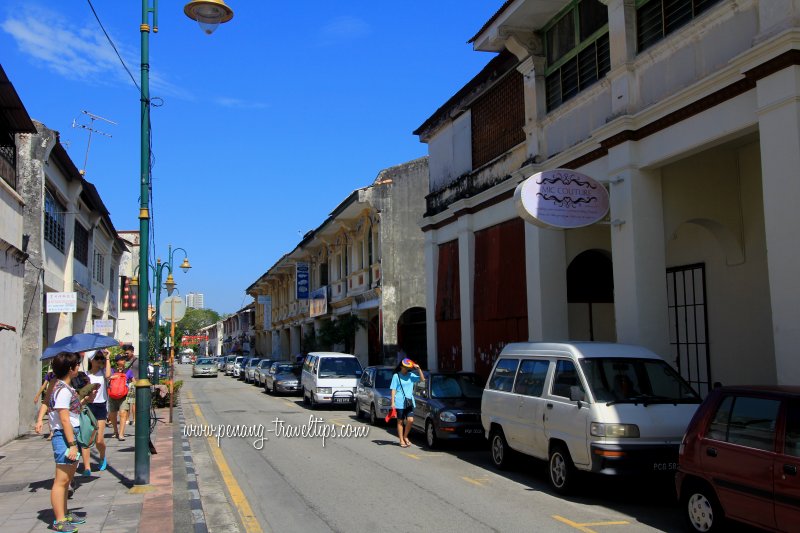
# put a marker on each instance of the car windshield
(283, 369)
(627, 380)
(264, 364)
(205, 362)
(253, 362)
(383, 378)
(456, 386)
(239, 359)
(339, 367)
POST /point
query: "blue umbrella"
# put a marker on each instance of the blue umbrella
(80, 342)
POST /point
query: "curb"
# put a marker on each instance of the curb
(195, 503)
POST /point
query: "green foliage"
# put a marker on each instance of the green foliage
(161, 396)
(340, 331)
(192, 323)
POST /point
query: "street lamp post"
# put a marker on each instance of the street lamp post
(209, 13)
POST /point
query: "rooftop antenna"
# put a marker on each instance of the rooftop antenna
(90, 127)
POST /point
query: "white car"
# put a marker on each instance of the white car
(330, 378)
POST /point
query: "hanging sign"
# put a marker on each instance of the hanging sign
(62, 302)
(561, 198)
(103, 326)
(302, 281)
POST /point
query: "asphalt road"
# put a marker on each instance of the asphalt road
(370, 483)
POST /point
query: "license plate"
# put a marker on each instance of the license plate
(664, 467)
(342, 400)
(472, 431)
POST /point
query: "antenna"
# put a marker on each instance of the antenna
(90, 128)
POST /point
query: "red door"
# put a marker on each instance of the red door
(448, 308)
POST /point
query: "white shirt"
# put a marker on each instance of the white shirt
(99, 377)
(61, 401)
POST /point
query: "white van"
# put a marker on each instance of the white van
(598, 407)
(330, 377)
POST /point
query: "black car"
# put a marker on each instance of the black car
(448, 406)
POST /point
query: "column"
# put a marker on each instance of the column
(622, 49)
(546, 276)
(637, 245)
(778, 97)
(431, 277)
(466, 272)
(361, 347)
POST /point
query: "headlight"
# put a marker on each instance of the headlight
(288, 384)
(619, 431)
(385, 402)
(447, 416)
(323, 390)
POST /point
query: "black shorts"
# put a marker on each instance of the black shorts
(99, 410)
(402, 414)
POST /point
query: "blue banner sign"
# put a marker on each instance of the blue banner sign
(302, 281)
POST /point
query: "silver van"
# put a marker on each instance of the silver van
(598, 407)
(330, 378)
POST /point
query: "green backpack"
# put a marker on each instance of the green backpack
(87, 433)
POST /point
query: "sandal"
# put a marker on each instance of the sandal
(405, 445)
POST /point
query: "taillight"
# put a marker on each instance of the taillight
(683, 445)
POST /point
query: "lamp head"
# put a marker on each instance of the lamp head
(134, 282)
(170, 284)
(185, 266)
(209, 14)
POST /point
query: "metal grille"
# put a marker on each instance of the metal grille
(54, 221)
(81, 244)
(498, 119)
(584, 69)
(8, 155)
(656, 19)
(688, 324)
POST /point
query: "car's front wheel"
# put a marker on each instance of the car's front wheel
(373, 416)
(430, 435)
(501, 453)
(561, 470)
(703, 512)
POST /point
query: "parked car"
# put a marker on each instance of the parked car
(243, 366)
(260, 371)
(330, 378)
(448, 406)
(237, 366)
(598, 407)
(740, 459)
(229, 362)
(221, 363)
(249, 369)
(204, 366)
(185, 359)
(373, 395)
(283, 377)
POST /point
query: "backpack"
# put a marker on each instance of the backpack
(118, 386)
(87, 433)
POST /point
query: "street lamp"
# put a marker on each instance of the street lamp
(201, 11)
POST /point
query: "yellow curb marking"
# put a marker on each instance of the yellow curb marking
(479, 481)
(249, 520)
(411, 455)
(141, 489)
(584, 526)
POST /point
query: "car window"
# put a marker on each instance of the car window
(280, 369)
(456, 386)
(419, 388)
(791, 444)
(530, 378)
(565, 377)
(750, 422)
(339, 367)
(383, 378)
(503, 377)
(204, 362)
(365, 380)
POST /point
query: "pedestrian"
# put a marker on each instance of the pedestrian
(131, 363)
(118, 408)
(99, 373)
(402, 388)
(45, 382)
(65, 407)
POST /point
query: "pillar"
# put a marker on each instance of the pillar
(431, 273)
(466, 272)
(546, 275)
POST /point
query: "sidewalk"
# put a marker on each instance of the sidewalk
(108, 500)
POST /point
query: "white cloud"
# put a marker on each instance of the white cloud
(238, 103)
(344, 28)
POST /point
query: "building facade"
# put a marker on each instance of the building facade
(214, 336)
(14, 123)
(128, 323)
(356, 282)
(238, 332)
(690, 116)
(195, 300)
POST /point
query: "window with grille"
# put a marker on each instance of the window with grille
(54, 212)
(8, 159)
(81, 244)
(655, 19)
(99, 268)
(577, 50)
(498, 118)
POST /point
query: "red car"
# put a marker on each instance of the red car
(740, 459)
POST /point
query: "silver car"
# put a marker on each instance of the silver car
(249, 369)
(229, 360)
(236, 367)
(373, 395)
(204, 366)
(283, 377)
(260, 371)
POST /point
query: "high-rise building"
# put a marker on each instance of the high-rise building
(195, 299)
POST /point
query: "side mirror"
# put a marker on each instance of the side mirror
(576, 394)
(358, 372)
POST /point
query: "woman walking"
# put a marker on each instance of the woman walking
(402, 387)
(119, 406)
(99, 373)
(65, 407)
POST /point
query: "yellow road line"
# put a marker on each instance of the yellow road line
(585, 526)
(411, 455)
(477, 482)
(249, 520)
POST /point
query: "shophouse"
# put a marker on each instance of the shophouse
(356, 283)
(72, 274)
(238, 331)
(688, 112)
(212, 344)
(14, 123)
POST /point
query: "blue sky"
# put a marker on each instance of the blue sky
(265, 126)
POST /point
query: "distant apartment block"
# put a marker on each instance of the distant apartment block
(195, 299)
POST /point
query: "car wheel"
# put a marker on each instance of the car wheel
(314, 404)
(373, 416)
(430, 435)
(560, 469)
(359, 414)
(501, 453)
(703, 512)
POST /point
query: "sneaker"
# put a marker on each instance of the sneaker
(64, 525)
(86, 473)
(74, 519)
(103, 464)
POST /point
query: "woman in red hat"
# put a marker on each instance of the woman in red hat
(402, 387)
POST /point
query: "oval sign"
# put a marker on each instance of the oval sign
(561, 198)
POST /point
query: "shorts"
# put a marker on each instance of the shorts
(118, 405)
(99, 410)
(60, 448)
(402, 414)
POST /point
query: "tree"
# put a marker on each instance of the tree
(192, 322)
